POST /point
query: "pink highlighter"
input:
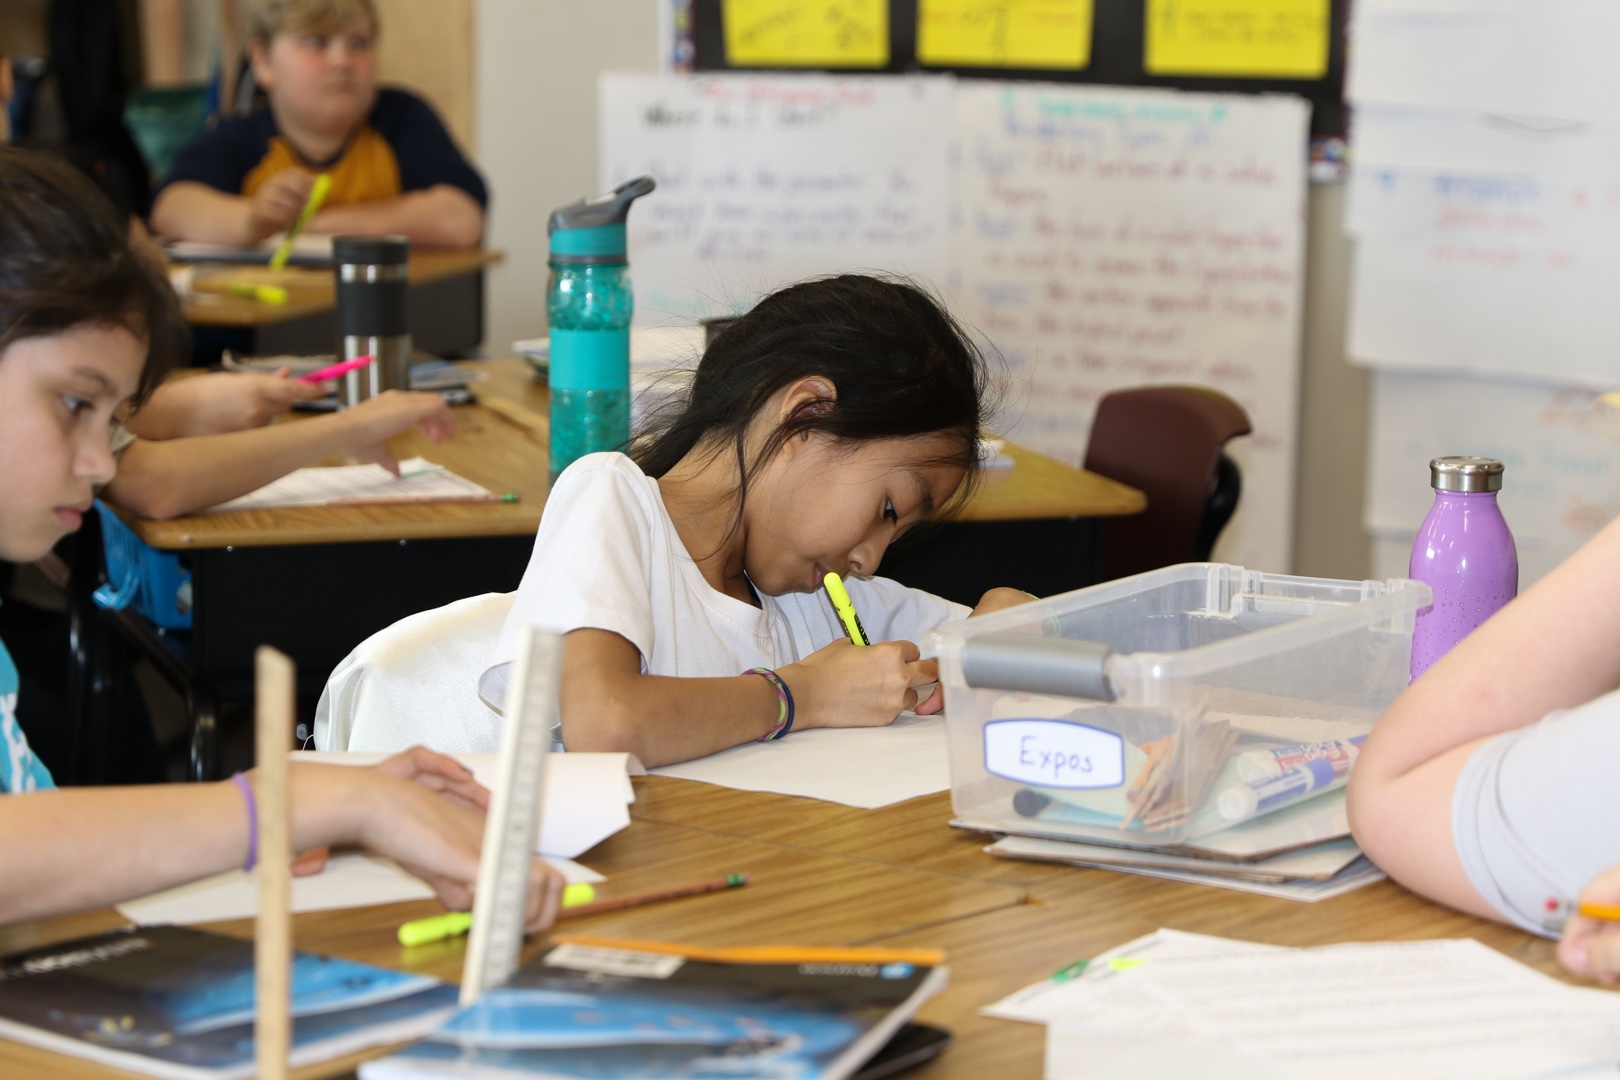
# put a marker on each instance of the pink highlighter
(329, 373)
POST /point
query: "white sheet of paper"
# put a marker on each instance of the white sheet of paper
(1393, 1010)
(1319, 862)
(419, 480)
(865, 767)
(1357, 875)
(348, 881)
(1549, 58)
(1042, 1002)
(587, 796)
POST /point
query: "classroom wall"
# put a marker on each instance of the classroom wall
(535, 89)
(535, 84)
(1331, 478)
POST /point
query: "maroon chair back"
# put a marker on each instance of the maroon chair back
(1165, 441)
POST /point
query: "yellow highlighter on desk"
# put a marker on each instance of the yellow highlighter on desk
(312, 206)
(455, 923)
(845, 607)
(274, 295)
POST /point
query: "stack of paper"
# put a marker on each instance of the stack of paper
(1311, 873)
(1180, 1005)
(419, 480)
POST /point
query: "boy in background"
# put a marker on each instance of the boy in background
(393, 165)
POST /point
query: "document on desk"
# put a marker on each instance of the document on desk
(587, 796)
(1397, 1010)
(419, 480)
(348, 881)
(864, 767)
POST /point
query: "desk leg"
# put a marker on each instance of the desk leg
(202, 705)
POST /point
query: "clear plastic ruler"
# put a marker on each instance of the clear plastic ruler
(514, 815)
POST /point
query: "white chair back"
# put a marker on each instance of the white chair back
(416, 683)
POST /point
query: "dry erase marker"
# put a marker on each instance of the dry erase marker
(274, 295)
(845, 607)
(335, 370)
(312, 206)
(455, 923)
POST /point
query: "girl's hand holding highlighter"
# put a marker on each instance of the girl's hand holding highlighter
(847, 685)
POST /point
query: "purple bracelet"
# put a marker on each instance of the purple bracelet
(253, 820)
(784, 714)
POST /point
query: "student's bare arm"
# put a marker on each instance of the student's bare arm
(186, 210)
(168, 478)
(1556, 646)
(217, 403)
(439, 216)
(609, 705)
(77, 848)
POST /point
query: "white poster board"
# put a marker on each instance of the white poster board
(767, 179)
(1485, 202)
(1562, 478)
(1108, 237)
(1098, 237)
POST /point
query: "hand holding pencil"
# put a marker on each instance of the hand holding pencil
(1591, 942)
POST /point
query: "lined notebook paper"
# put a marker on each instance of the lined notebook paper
(419, 480)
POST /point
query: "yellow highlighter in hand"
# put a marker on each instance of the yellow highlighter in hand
(845, 607)
(312, 206)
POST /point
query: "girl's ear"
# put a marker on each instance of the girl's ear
(813, 395)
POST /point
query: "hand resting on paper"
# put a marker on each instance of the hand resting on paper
(392, 412)
(1591, 947)
(994, 600)
(426, 812)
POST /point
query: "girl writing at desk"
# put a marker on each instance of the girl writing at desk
(86, 327)
(820, 427)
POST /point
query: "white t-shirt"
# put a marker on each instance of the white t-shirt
(608, 557)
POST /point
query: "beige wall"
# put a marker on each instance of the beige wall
(1329, 540)
(427, 46)
(538, 62)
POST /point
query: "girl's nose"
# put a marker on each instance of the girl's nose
(94, 461)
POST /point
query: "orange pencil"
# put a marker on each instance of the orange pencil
(696, 888)
(1606, 912)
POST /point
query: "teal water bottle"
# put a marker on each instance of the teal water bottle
(589, 303)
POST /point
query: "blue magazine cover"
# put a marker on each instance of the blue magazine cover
(605, 1010)
(172, 1001)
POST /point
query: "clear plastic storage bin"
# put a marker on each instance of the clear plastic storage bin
(1167, 706)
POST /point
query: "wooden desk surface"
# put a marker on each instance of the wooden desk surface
(1036, 487)
(886, 890)
(309, 288)
(501, 443)
(485, 449)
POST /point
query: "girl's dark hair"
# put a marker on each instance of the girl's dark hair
(66, 261)
(900, 364)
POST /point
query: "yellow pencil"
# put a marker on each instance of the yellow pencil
(312, 206)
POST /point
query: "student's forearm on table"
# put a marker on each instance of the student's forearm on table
(1555, 647)
(441, 216)
(79, 848)
(166, 479)
(172, 412)
(662, 719)
(192, 211)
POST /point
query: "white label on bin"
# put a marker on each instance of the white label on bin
(1054, 753)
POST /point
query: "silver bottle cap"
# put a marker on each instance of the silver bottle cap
(1465, 474)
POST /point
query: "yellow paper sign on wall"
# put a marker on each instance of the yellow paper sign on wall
(1268, 39)
(806, 33)
(1004, 33)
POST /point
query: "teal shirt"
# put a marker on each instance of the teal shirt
(20, 770)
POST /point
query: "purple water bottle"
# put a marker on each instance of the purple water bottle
(1463, 552)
